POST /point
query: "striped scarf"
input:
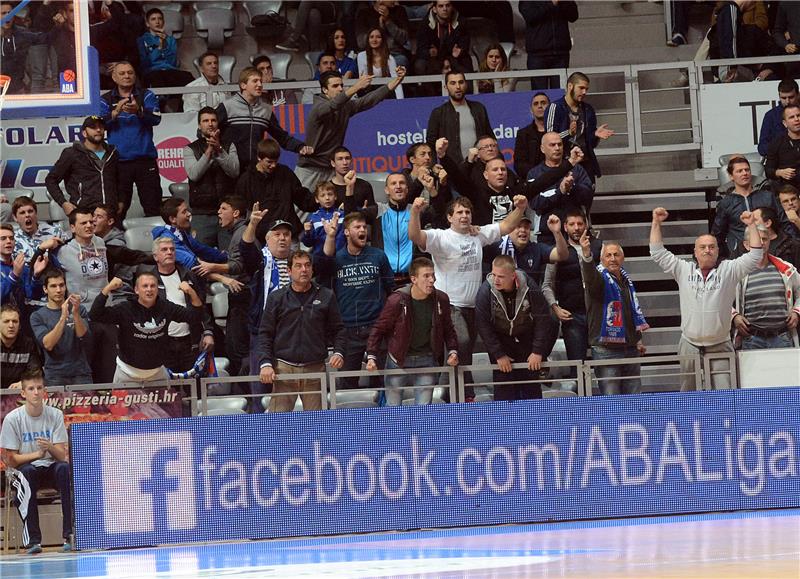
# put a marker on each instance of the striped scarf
(612, 329)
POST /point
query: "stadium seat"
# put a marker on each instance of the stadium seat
(253, 9)
(57, 214)
(219, 306)
(280, 64)
(179, 190)
(133, 222)
(215, 25)
(140, 238)
(226, 64)
(212, 4)
(163, 6)
(217, 288)
(173, 23)
(378, 182)
(357, 398)
(312, 57)
(14, 192)
(226, 406)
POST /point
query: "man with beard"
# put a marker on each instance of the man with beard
(458, 120)
(576, 122)
(574, 191)
(212, 169)
(342, 163)
(268, 270)
(362, 279)
(245, 117)
(88, 169)
(527, 146)
(563, 288)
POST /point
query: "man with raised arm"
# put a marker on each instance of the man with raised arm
(707, 291)
(457, 255)
(328, 120)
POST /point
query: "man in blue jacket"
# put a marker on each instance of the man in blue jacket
(576, 122)
(189, 252)
(772, 126)
(129, 114)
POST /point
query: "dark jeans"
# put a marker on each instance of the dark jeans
(576, 339)
(143, 172)
(537, 62)
(103, 358)
(181, 354)
(237, 336)
(464, 323)
(256, 387)
(354, 350)
(610, 378)
(528, 391)
(55, 475)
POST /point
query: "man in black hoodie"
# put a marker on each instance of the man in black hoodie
(88, 170)
(547, 38)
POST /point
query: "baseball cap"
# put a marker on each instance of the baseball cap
(280, 223)
(93, 121)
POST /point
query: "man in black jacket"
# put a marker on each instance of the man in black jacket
(442, 37)
(275, 188)
(212, 169)
(527, 146)
(88, 170)
(185, 341)
(512, 320)
(298, 322)
(547, 38)
(783, 155)
(444, 120)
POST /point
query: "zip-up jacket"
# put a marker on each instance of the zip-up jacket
(527, 324)
(315, 237)
(299, 333)
(528, 149)
(132, 133)
(553, 201)
(444, 122)
(563, 282)
(88, 179)
(209, 179)
(18, 290)
(187, 249)
(783, 153)
(253, 262)
(557, 119)
(729, 229)
(771, 128)
(706, 303)
(143, 336)
(547, 26)
(244, 124)
(594, 295)
(396, 324)
(153, 56)
(791, 286)
(444, 37)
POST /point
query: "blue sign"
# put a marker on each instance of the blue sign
(360, 470)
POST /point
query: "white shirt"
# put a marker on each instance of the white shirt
(457, 259)
(176, 296)
(193, 102)
(391, 64)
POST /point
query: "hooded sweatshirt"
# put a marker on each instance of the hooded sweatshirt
(86, 267)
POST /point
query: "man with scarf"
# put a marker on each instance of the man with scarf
(615, 318)
(269, 270)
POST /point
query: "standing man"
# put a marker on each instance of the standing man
(707, 290)
(362, 279)
(563, 288)
(61, 328)
(129, 114)
(420, 157)
(772, 125)
(441, 36)
(34, 443)
(209, 76)
(614, 317)
(328, 119)
(457, 255)
(575, 190)
(527, 146)
(781, 245)
(529, 256)
(576, 122)
(212, 170)
(745, 197)
(342, 163)
(783, 154)
(416, 323)
(185, 339)
(298, 322)
(143, 341)
(512, 320)
(547, 38)
(458, 120)
(245, 117)
(88, 170)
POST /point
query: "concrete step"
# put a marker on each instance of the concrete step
(601, 36)
(605, 9)
(652, 49)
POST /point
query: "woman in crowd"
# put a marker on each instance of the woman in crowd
(337, 42)
(494, 60)
(376, 60)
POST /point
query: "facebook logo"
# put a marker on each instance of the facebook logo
(155, 490)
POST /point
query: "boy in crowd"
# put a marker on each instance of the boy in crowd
(314, 228)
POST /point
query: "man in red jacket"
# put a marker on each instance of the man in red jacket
(416, 321)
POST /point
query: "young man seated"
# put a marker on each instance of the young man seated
(34, 442)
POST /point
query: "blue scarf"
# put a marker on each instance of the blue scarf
(612, 328)
(272, 276)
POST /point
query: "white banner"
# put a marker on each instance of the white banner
(731, 115)
(31, 147)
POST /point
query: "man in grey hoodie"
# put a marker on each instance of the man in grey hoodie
(328, 120)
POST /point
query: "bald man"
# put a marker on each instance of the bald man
(707, 291)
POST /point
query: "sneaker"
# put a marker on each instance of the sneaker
(67, 546)
(676, 40)
(291, 44)
(34, 549)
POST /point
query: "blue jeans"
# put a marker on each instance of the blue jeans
(394, 394)
(576, 339)
(782, 340)
(608, 377)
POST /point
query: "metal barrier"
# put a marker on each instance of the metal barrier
(323, 377)
(448, 370)
(462, 370)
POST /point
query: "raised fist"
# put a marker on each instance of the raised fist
(660, 214)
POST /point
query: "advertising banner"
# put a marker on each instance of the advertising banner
(378, 137)
(731, 115)
(362, 470)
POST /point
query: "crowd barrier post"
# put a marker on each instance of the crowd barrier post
(450, 371)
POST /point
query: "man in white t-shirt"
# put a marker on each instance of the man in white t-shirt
(34, 442)
(457, 255)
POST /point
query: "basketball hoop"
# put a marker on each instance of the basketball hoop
(5, 82)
